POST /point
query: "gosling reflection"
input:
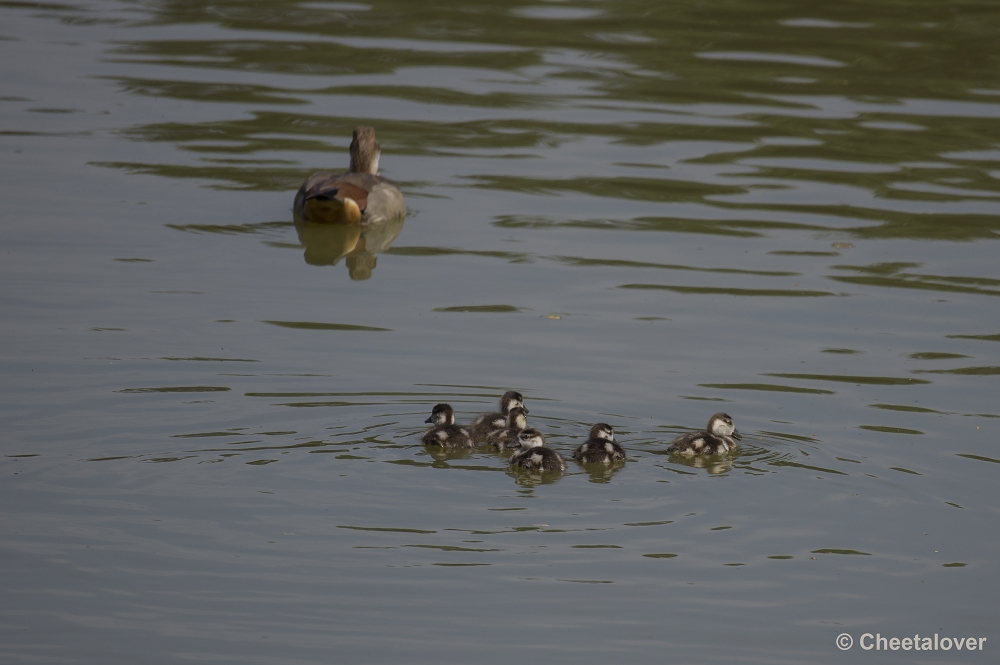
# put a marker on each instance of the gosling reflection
(713, 465)
(327, 244)
(602, 473)
(532, 478)
(442, 456)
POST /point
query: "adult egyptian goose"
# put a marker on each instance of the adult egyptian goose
(359, 196)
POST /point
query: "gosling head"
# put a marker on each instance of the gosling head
(516, 418)
(511, 400)
(721, 424)
(602, 431)
(442, 414)
(530, 438)
(365, 151)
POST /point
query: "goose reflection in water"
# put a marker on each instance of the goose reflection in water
(327, 244)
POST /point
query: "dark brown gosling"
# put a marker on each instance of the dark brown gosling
(718, 438)
(600, 448)
(506, 439)
(534, 455)
(445, 432)
(489, 422)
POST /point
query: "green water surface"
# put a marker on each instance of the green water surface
(633, 212)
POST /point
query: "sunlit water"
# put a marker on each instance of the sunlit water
(633, 212)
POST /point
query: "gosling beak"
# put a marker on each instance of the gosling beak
(736, 435)
(430, 419)
(526, 412)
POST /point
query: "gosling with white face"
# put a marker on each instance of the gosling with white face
(497, 420)
(534, 455)
(718, 438)
(445, 433)
(506, 439)
(600, 448)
